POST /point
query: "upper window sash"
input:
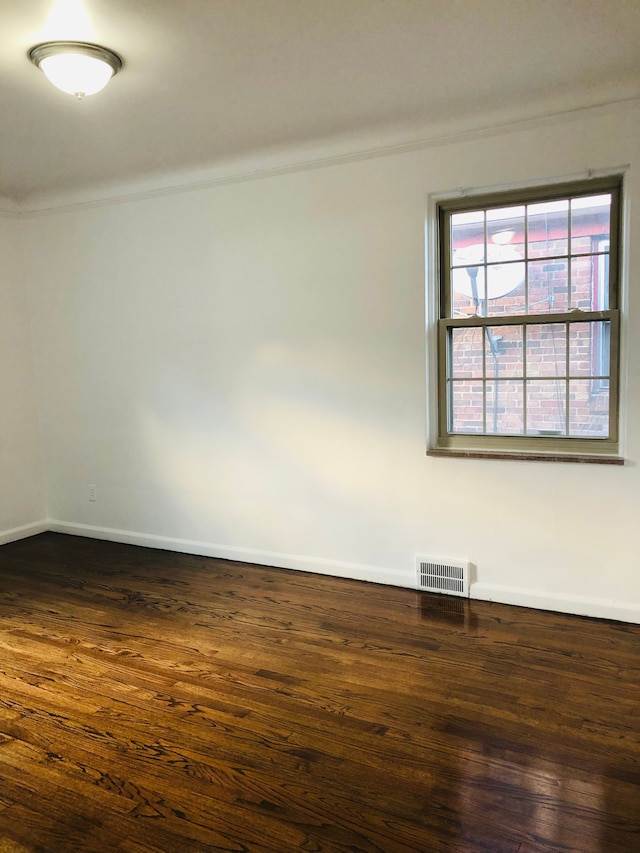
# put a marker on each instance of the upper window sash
(486, 204)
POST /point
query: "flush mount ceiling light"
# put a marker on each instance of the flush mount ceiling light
(76, 67)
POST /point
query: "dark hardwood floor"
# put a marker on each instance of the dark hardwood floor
(153, 702)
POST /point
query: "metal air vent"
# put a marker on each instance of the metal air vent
(450, 577)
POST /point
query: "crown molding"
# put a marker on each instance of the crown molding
(318, 155)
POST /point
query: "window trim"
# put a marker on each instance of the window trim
(527, 446)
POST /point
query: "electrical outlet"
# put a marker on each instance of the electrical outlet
(93, 492)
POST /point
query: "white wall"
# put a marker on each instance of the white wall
(241, 371)
(22, 494)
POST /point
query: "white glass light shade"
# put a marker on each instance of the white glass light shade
(77, 68)
(76, 74)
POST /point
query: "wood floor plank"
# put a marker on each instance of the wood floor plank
(152, 701)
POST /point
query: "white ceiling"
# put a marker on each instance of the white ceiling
(211, 80)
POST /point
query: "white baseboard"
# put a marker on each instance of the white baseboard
(23, 532)
(335, 568)
(593, 607)
(597, 608)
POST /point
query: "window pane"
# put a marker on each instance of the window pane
(506, 227)
(589, 348)
(601, 342)
(580, 349)
(504, 407)
(466, 406)
(503, 351)
(546, 407)
(590, 221)
(466, 353)
(461, 304)
(467, 286)
(505, 282)
(467, 229)
(548, 228)
(467, 262)
(547, 349)
(588, 409)
(584, 289)
(548, 286)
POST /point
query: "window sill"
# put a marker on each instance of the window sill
(529, 457)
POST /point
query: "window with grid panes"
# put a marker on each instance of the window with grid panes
(529, 320)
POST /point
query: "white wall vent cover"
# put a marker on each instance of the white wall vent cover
(450, 577)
